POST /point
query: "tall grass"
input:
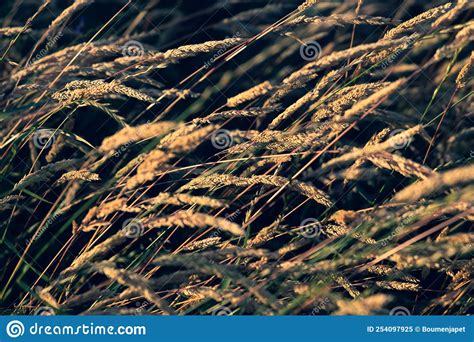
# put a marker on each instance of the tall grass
(236, 158)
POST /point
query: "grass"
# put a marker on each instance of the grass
(238, 158)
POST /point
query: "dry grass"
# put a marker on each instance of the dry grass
(216, 161)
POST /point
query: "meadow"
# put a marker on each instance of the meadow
(236, 157)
